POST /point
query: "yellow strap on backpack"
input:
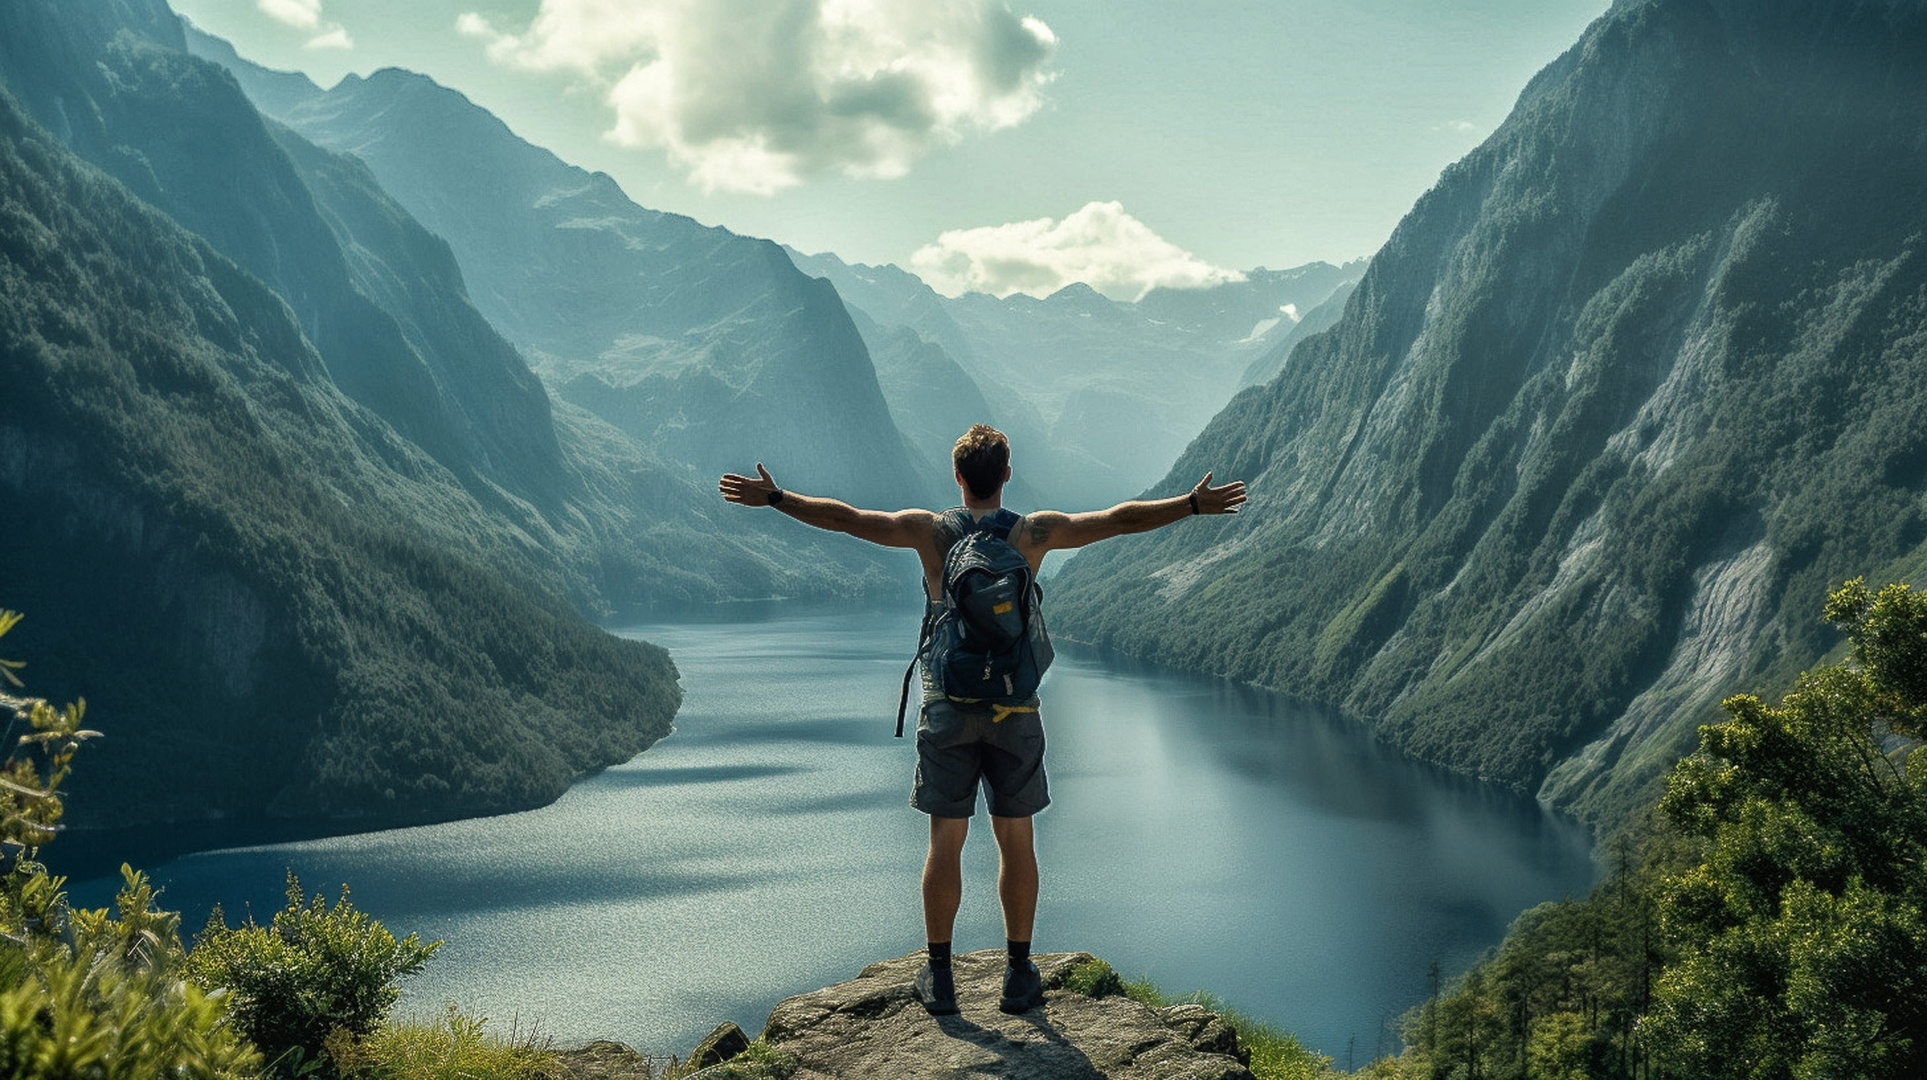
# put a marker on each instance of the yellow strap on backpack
(999, 712)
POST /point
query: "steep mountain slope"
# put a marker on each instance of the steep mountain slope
(707, 347)
(615, 525)
(627, 527)
(1620, 398)
(112, 77)
(299, 524)
(1105, 394)
(274, 603)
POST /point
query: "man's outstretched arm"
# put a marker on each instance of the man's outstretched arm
(1051, 531)
(902, 529)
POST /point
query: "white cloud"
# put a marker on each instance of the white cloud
(300, 14)
(1099, 245)
(306, 15)
(336, 38)
(760, 95)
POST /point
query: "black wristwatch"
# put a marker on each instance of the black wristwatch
(776, 496)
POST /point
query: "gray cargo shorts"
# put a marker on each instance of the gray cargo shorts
(958, 744)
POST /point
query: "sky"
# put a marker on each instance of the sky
(996, 145)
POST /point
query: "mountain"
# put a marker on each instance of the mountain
(389, 308)
(934, 400)
(1245, 313)
(112, 77)
(306, 532)
(1279, 348)
(1622, 396)
(275, 604)
(706, 347)
(1099, 396)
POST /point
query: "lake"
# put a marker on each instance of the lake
(1202, 834)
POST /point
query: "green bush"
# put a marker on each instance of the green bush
(1803, 930)
(312, 971)
(109, 1003)
(1769, 922)
(1094, 978)
(84, 994)
(760, 1062)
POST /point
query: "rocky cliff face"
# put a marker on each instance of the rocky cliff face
(1619, 400)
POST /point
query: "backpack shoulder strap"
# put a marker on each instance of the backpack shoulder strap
(954, 524)
(1000, 523)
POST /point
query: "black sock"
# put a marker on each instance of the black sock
(939, 954)
(1019, 952)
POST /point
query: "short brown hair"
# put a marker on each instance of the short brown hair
(981, 457)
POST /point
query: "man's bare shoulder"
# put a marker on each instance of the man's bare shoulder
(913, 528)
(1037, 530)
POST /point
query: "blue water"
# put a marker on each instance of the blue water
(1204, 835)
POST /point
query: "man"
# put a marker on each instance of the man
(961, 743)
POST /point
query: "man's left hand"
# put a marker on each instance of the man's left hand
(1224, 499)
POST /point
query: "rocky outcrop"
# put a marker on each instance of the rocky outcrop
(872, 1026)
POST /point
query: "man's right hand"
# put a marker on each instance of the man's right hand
(748, 490)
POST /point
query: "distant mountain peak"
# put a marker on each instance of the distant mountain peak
(1079, 295)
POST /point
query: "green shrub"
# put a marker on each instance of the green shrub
(313, 970)
(64, 1014)
(107, 1002)
(84, 994)
(1094, 978)
(760, 1062)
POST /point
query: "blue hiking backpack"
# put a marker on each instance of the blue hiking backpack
(984, 639)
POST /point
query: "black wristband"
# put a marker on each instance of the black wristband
(1194, 503)
(776, 496)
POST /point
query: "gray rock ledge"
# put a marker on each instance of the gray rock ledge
(872, 1028)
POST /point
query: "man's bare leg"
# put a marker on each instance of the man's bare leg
(1016, 875)
(942, 892)
(943, 877)
(1017, 888)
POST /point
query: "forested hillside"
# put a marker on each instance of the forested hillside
(274, 603)
(1622, 396)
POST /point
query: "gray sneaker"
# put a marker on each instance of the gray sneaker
(1023, 988)
(937, 990)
